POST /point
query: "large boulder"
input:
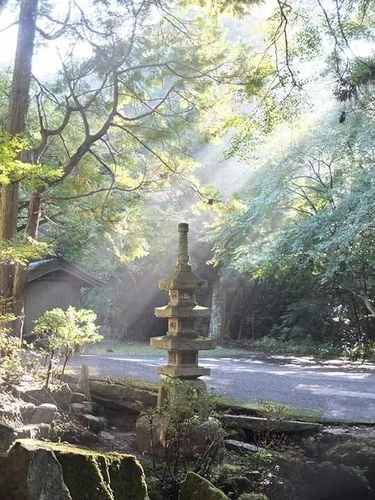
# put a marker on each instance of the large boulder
(50, 471)
(197, 488)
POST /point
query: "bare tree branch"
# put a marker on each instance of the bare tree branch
(64, 25)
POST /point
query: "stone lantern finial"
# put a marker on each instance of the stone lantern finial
(183, 255)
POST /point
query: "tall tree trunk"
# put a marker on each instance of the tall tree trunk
(20, 278)
(8, 228)
(15, 125)
(218, 306)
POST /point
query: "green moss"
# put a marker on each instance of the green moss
(268, 409)
(94, 476)
(233, 478)
(86, 476)
(127, 477)
(103, 477)
(197, 488)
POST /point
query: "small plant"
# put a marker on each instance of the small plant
(183, 437)
(60, 332)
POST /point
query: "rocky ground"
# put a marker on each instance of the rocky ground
(279, 459)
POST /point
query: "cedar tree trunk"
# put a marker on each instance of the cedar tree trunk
(15, 126)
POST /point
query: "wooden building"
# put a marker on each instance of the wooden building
(53, 283)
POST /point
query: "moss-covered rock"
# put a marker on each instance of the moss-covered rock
(85, 475)
(32, 475)
(197, 488)
(237, 479)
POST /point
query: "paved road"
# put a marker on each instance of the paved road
(342, 391)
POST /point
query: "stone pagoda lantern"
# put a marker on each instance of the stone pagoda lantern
(182, 340)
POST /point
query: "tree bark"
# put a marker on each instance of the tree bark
(8, 229)
(19, 95)
(367, 302)
(20, 278)
(14, 126)
(218, 308)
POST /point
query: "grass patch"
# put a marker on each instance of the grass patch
(269, 409)
(108, 347)
(288, 412)
(272, 345)
(138, 384)
(142, 349)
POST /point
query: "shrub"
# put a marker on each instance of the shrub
(60, 332)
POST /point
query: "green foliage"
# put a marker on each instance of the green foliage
(13, 169)
(21, 252)
(295, 347)
(111, 133)
(16, 358)
(305, 227)
(174, 91)
(11, 368)
(67, 329)
(111, 129)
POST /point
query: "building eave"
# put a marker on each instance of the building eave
(42, 268)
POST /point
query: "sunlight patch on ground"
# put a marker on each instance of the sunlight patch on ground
(232, 360)
(294, 359)
(325, 391)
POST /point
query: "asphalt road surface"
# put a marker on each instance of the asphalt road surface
(342, 391)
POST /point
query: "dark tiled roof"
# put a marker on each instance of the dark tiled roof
(43, 267)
